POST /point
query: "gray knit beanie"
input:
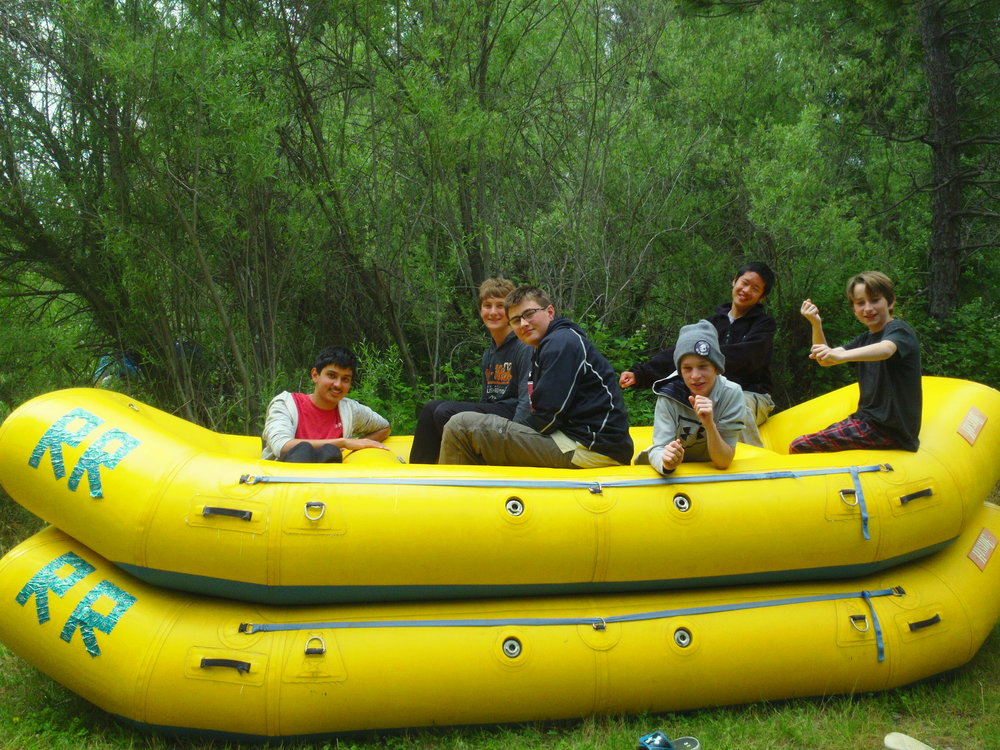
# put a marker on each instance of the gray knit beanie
(699, 338)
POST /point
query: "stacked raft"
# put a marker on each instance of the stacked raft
(187, 585)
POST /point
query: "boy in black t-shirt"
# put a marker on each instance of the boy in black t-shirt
(888, 364)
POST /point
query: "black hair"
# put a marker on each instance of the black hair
(339, 356)
(761, 269)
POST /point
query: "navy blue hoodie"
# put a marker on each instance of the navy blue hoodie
(573, 388)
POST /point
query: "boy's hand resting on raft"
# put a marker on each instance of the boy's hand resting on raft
(673, 455)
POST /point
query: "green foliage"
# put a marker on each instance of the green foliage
(43, 346)
(261, 180)
(623, 351)
(961, 346)
(16, 523)
(383, 387)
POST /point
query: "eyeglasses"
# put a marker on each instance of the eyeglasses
(527, 315)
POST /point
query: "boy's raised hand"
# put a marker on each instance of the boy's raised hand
(827, 356)
(810, 312)
(702, 406)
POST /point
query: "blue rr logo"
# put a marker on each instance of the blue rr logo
(106, 451)
(84, 617)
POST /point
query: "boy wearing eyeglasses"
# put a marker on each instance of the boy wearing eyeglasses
(576, 416)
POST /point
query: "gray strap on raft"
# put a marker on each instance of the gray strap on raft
(876, 626)
(860, 494)
(859, 500)
(595, 487)
(598, 623)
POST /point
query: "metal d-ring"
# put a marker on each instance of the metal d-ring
(315, 650)
(856, 619)
(312, 505)
(845, 501)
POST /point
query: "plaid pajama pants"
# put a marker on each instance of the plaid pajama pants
(848, 434)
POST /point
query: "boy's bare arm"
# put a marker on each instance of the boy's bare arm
(871, 353)
(350, 444)
(810, 312)
(379, 436)
(719, 451)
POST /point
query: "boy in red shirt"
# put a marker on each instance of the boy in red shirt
(316, 427)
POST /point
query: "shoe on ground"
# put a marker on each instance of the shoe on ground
(900, 741)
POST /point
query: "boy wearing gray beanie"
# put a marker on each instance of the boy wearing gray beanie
(699, 412)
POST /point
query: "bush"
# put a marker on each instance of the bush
(959, 347)
(624, 350)
(383, 387)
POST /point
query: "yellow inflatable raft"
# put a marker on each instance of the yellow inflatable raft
(187, 508)
(174, 661)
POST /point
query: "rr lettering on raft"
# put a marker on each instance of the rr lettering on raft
(47, 579)
(85, 617)
(106, 451)
(88, 619)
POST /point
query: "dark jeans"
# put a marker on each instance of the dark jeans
(435, 415)
(303, 453)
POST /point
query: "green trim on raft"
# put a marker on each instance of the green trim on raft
(194, 733)
(377, 736)
(374, 736)
(294, 595)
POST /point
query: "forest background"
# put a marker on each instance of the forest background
(197, 196)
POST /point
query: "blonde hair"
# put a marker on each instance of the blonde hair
(496, 286)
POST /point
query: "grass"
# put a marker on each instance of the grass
(956, 711)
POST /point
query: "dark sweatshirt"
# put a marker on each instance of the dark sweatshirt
(746, 343)
(505, 373)
(573, 388)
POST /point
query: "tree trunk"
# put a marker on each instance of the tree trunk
(944, 255)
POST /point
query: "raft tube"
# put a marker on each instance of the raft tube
(176, 662)
(187, 508)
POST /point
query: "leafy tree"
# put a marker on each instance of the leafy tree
(221, 189)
